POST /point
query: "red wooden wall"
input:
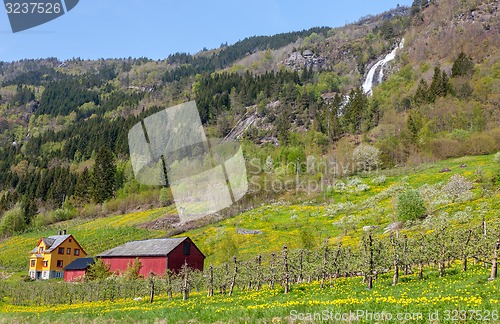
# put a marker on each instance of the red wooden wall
(72, 275)
(176, 258)
(157, 265)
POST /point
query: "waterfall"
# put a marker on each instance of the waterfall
(368, 84)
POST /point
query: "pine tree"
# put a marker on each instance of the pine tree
(435, 86)
(356, 109)
(83, 185)
(414, 124)
(103, 175)
(463, 66)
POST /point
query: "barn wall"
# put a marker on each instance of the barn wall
(71, 275)
(157, 265)
(176, 258)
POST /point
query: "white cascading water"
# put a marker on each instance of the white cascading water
(368, 84)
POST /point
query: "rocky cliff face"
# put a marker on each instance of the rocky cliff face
(305, 59)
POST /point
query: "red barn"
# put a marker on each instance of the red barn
(155, 255)
(77, 269)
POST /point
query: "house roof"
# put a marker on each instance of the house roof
(52, 242)
(80, 264)
(153, 247)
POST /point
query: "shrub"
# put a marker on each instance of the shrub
(444, 148)
(379, 180)
(458, 188)
(479, 144)
(12, 221)
(99, 270)
(133, 270)
(497, 157)
(410, 205)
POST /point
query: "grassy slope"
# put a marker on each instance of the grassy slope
(95, 236)
(280, 224)
(457, 291)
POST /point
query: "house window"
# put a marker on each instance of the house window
(61, 250)
(68, 251)
(187, 248)
(70, 240)
(45, 263)
(41, 249)
(77, 251)
(33, 263)
(59, 263)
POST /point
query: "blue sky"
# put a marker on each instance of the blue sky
(156, 28)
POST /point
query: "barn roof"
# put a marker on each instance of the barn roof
(52, 242)
(153, 247)
(80, 264)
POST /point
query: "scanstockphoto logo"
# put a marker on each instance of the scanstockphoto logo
(28, 14)
(205, 175)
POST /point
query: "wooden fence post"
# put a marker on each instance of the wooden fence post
(233, 279)
(259, 272)
(494, 261)
(286, 274)
(325, 259)
(152, 286)
(271, 269)
(211, 282)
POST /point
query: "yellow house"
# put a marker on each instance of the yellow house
(52, 254)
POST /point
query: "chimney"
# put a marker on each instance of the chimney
(60, 232)
(64, 232)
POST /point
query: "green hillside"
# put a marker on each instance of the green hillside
(338, 215)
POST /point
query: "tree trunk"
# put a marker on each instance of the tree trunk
(370, 282)
(421, 271)
(441, 268)
(233, 279)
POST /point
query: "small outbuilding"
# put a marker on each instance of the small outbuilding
(155, 255)
(77, 269)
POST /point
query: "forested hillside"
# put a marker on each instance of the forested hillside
(293, 97)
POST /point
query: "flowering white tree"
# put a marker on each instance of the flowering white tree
(497, 157)
(367, 157)
(458, 188)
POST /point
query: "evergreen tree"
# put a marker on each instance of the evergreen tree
(463, 66)
(414, 124)
(103, 175)
(83, 185)
(440, 84)
(422, 93)
(29, 208)
(355, 110)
